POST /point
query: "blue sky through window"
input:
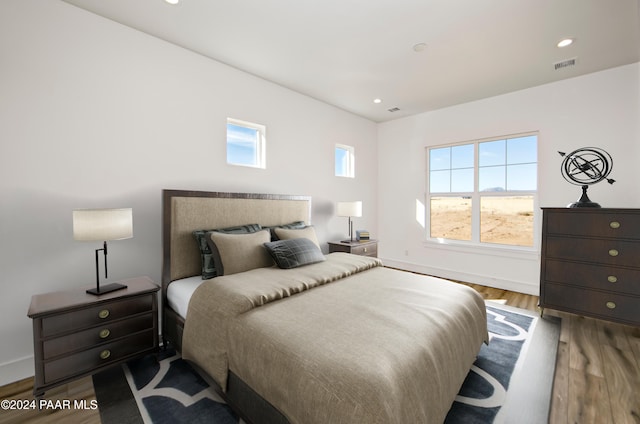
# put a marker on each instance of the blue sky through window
(508, 164)
(242, 145)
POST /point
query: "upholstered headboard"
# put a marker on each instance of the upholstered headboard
(186, 211)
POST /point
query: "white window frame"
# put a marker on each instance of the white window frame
(260, 147)
(475, 198)
(350, 165)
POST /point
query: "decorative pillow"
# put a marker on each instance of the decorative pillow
(208, 264)
(307, 232)
(295, 252)
(239, 252)
(291, 225)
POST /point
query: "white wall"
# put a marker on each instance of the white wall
(600, 109)
(94, 114)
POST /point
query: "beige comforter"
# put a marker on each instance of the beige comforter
(380, 346)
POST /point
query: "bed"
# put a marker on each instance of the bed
(313, 338)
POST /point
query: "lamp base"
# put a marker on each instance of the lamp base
(106, 289)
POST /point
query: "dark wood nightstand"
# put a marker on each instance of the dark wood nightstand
(363, 248)
(77, 334)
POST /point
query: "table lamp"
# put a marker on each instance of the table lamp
(349, 209)
(103, 225)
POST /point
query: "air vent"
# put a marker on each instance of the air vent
(393, 109)
(565, 63)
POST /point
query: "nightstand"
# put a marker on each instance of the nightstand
(363, 248)
(76, 334)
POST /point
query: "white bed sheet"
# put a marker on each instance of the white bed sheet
(179, 293)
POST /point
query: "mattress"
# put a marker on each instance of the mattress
(179, 293)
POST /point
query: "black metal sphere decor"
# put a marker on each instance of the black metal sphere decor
(586, 166)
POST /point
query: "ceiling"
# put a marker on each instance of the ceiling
(349, 52)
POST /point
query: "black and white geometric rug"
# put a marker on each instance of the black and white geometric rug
(510, 381)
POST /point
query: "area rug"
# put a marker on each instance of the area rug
(510, 381)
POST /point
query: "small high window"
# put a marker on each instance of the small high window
(245, 143)
(345, 161)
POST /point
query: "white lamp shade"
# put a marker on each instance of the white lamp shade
(353, 209)
(102, 224)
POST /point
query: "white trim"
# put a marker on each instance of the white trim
(16, 370)
(485, 280)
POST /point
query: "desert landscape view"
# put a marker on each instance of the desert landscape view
(504, 220)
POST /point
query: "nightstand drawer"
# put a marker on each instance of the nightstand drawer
(91, 359)
(601, 277)
(96, 335)
(593, 303)
(97, 315)
(366, 250)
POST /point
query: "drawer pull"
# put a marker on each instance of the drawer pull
(614, 224)
(103, 314)
(104, 333)
(613, 252)
(105, 354)
(611, 305)
(612, 279)
(365, 250)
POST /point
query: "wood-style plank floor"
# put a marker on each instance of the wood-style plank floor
(597, 377)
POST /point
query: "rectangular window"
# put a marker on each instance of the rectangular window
(344, 161)
(484, 191)
(245, 143)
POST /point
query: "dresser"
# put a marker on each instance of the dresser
(363, 248)
(77, 334)
(590, 263)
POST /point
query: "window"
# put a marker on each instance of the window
(483, 191)
(345, 161)
(245, 143)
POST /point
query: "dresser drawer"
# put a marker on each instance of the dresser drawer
(604, 305)
(597, 223)
(83, 339)
(96, 315)
(91, 359)
(620, 280)
(603, 251)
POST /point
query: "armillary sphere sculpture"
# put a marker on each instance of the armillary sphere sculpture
(583, 167)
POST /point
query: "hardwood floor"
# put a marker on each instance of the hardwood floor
(597, 377)
(80, 390)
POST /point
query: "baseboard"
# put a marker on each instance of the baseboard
(16, 370)
(485, 280)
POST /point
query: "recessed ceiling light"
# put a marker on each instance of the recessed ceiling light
(419, 47)
(377, 101)
(565, 42)
(172, 1)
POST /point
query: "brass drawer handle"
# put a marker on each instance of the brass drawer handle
(105, 333)
(613, 252)
(611, 305)
(105, 354)
(365, 250)
(612, 279)
(103, 314)
(614, 224)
